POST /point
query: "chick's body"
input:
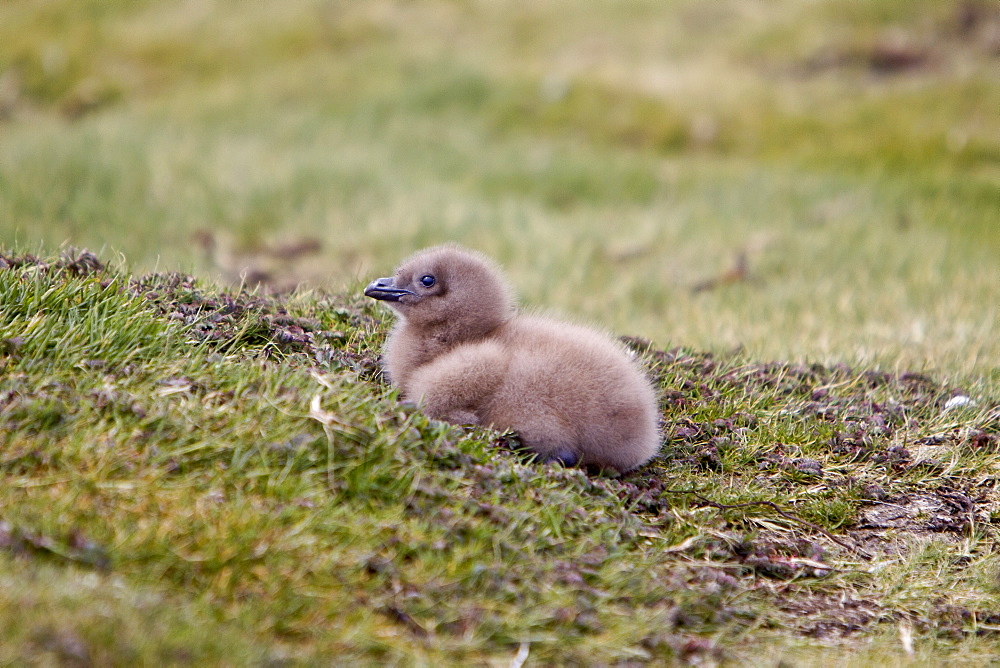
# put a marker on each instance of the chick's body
(571, 393)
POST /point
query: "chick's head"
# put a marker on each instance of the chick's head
(447, 285)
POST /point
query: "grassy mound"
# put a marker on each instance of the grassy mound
(191, 474)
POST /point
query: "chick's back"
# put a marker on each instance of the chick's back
(560, 386)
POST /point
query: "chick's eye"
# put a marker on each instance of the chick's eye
(427, 281)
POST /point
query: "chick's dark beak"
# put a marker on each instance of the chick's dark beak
(385, 289)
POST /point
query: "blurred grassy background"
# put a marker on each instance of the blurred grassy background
(808, 179)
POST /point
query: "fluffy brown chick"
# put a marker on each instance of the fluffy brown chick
(461, 350)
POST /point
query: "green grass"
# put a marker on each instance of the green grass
(162, 467)
(231, 470)
(863, 198)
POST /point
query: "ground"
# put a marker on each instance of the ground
(271, 478)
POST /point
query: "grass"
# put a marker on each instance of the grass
(807, 182)
(237, 460)
(859, 197)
